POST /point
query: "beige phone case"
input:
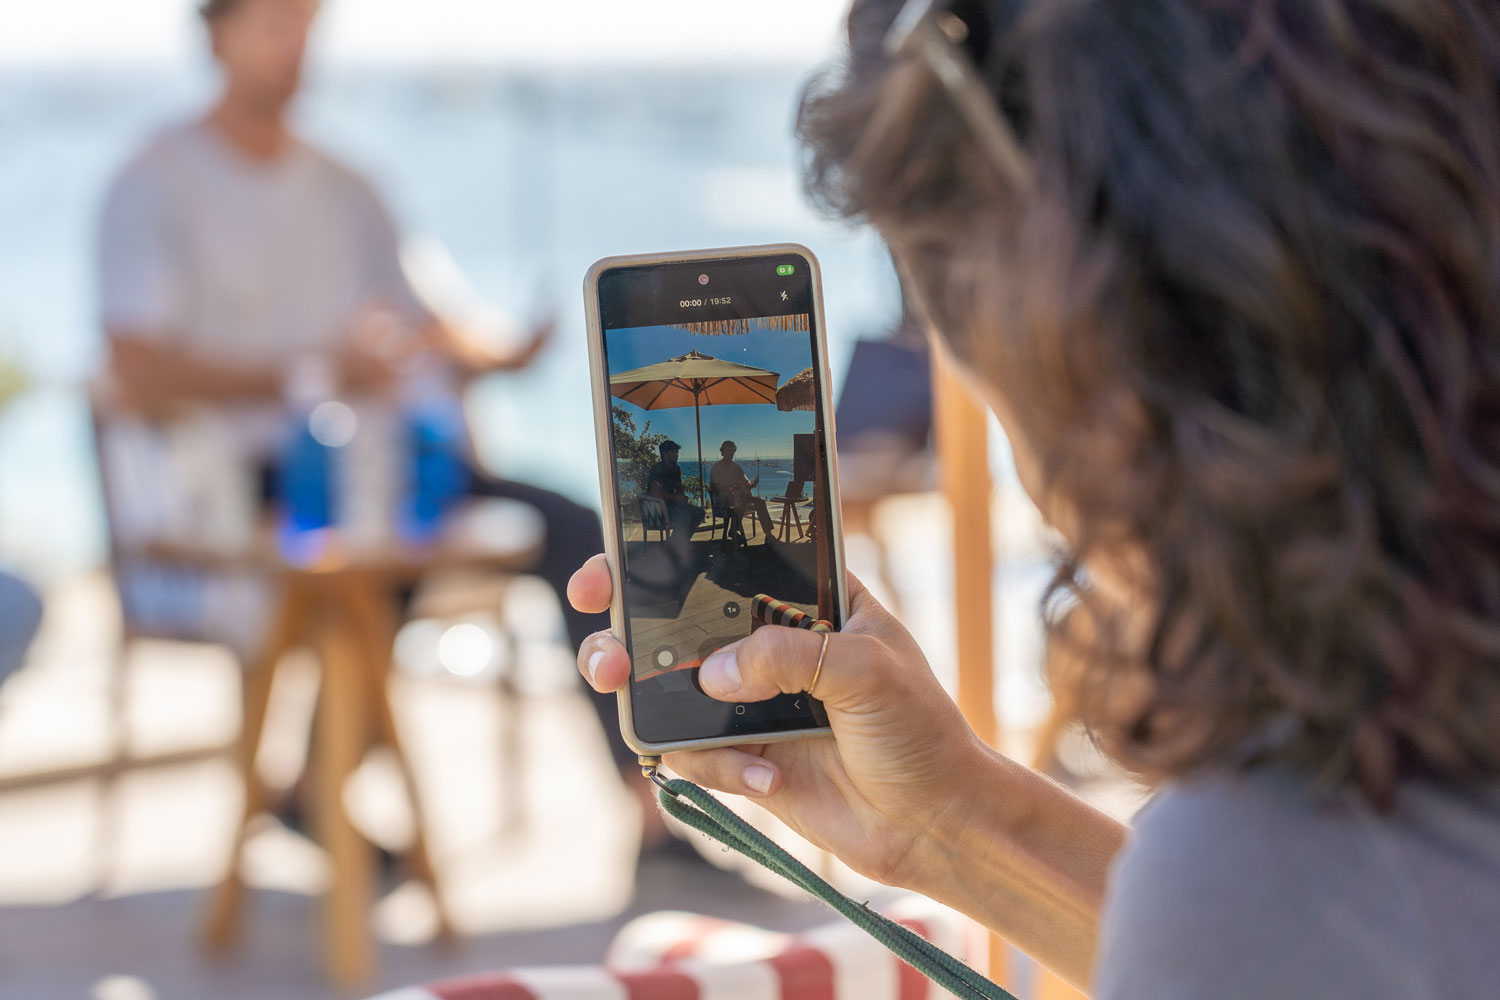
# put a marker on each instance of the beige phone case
(599, 390)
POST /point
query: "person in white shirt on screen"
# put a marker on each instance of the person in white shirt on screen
(728, 480)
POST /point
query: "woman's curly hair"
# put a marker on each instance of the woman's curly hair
(1248, 318)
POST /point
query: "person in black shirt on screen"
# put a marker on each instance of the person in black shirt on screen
(664, 483)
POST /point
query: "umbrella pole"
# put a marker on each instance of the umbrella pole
(702, 479)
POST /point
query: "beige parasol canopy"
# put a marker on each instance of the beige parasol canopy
(694, 379)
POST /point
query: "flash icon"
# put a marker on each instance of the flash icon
(783, 296)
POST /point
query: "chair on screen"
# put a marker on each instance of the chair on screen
(653, 517)
(726, 519)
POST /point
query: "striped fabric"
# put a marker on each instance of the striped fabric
(767, 610)
(681, 956)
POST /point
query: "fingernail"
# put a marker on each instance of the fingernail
(720, 673)
(594, 660)
(758, 777)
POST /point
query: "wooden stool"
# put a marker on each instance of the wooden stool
(790, 516)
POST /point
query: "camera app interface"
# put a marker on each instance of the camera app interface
(719, 462)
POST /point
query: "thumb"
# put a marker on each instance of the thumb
(776, 660)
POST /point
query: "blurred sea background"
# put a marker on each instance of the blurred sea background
(524, 169)
(524, 141)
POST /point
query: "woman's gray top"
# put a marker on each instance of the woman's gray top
(1251, 885)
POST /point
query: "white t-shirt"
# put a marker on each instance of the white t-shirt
(242, 261)
(231, 261)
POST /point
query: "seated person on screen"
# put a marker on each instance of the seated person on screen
(664, 483)
(729, 481)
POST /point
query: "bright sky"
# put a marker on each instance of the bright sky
(382, 31)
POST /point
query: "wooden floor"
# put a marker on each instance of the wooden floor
(102, 895)
(712, 605)
(792, 531)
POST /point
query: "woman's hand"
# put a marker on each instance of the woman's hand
(898, 774)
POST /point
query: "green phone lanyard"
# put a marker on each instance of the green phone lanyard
(706, 814)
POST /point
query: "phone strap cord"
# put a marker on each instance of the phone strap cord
(700, 810)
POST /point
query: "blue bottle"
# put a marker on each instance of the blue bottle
(305, 479)
(437, 444)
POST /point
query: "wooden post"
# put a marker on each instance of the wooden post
(961, 428)
(962, 431)
(822, 530)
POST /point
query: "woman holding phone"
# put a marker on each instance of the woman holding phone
(1228, 271)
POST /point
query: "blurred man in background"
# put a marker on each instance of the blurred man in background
(232, 249)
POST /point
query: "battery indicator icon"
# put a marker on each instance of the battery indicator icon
(785, 270)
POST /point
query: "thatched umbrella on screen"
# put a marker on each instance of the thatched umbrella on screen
(797, 393)
(795, 323)
(694, 379)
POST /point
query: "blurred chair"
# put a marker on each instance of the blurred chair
(20, 617)
(884, 421)
(187, 568)
(168, 588)
(653, 516)
(674, 954)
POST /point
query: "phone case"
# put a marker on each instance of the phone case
(599, 390)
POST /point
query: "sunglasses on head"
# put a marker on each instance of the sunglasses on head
(952, 48)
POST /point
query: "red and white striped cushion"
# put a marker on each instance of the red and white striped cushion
(680, 956)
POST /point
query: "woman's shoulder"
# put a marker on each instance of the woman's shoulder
(1239, 883)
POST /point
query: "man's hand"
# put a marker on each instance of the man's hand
(149, 372)
(540, 336)
(477, 357)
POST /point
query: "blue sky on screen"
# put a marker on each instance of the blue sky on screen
(756, 429)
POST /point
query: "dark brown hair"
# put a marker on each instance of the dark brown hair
(1249, 321)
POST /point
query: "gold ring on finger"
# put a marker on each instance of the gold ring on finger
(818, 670)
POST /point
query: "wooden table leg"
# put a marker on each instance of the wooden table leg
(221, 926)
(339, 743)
(376, 613)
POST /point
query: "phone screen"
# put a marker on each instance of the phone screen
(722, 478)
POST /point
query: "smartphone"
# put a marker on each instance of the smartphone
(718, 477)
